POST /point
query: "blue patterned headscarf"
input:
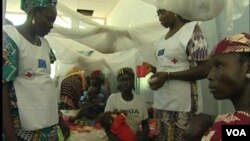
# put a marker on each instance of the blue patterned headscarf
(27, 5)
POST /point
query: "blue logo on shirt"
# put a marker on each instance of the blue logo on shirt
(161, 52)
(41, 63)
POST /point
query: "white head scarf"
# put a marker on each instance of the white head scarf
(195, 10)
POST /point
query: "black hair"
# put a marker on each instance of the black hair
(126, 70)
(244, 56)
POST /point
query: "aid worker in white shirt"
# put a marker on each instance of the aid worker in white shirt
(182, 59)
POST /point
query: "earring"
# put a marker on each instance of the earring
(33, 21)
(248, 75)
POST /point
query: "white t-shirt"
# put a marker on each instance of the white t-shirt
(136, 109)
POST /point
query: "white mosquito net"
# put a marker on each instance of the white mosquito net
(109, 48)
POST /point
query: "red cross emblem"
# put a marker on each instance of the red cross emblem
(28, 74)
(174, 60)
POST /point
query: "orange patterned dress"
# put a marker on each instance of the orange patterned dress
(236, 118)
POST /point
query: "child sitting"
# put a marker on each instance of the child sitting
(90, 109)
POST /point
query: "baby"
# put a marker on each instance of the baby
(115, 122)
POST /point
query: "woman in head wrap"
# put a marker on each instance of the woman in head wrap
(126, 100)
(182, 59)
(229, 78)
(72, 87)
(30, 110)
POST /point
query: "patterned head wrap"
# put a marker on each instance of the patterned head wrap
(73, 70)
(236, 43)
(28, 5)
(126, 70)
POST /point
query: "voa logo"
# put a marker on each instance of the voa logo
(236, 132)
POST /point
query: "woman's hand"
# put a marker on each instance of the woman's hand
(157, 80)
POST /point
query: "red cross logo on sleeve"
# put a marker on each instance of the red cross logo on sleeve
(28, 74)
(174, 60)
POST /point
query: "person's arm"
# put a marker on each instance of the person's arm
(192, 74)
(149, 67)
(197, 127)
(80, 113)
(117, 122)
(86, 110)
(8, 128)
(195, 73)
(197, 50)
(110, 135)
(109, 107)
(145, 130)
